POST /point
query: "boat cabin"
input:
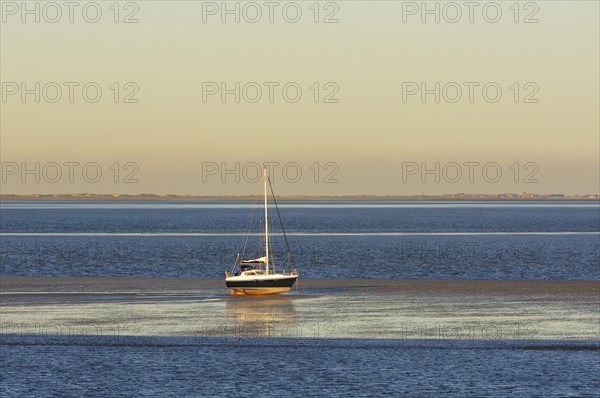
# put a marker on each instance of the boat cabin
(249, 270)
(253, 272)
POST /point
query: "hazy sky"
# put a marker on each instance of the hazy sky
(370, 131)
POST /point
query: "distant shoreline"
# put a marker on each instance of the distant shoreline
(459, 196)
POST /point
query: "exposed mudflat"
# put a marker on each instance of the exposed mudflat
(320, 308)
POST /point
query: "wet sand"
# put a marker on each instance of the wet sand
(321, 308)
(15, 284)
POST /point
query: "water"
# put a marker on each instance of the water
(187, 337)
(330, 239)
(230, 215)
(179, 367)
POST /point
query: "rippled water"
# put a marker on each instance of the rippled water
(336, 239)
(349, 339)
(179, 367)
(228, 215)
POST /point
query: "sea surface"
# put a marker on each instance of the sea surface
(187, 337)
(186, 367)
(328, 238)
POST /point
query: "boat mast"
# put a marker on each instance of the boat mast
(266, 223)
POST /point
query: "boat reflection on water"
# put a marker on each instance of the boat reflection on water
(267, 316)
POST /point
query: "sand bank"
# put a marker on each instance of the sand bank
(351, 308)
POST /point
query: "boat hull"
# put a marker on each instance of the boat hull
(261, 286)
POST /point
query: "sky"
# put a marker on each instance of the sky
(373, 98)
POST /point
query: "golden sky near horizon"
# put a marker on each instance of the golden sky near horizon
(368, 131)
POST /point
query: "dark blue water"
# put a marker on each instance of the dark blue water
(230, 215)
(397, 257)
(336, 239)
(181, 367)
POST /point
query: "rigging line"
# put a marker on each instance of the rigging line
(247, 232)
(271, 250)
(249, 225)
(245, 239)
(258, 250)
(287, 244)
(241, 249)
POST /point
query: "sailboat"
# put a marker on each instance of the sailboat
(258, 276)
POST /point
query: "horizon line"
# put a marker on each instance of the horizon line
(458, 195)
